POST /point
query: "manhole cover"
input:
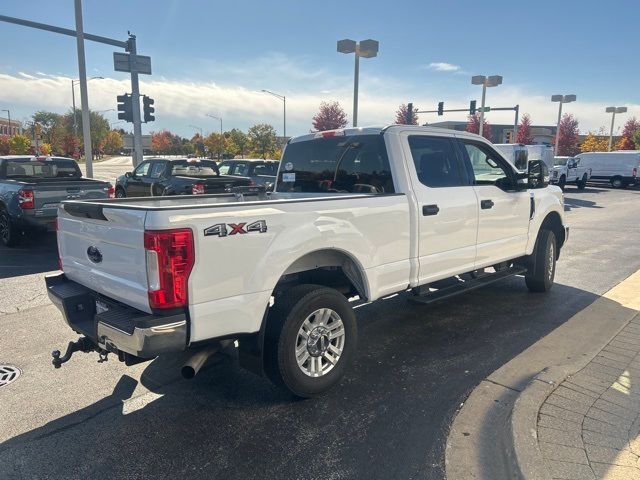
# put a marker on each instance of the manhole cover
(8, 374)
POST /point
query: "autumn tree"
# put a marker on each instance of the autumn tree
(626, 142)
(198, 145)
(20, 144)
(402, 114)
(5, 145)
(568, 137)
(215, 143)
(524, 131)
(263, 140)
(595, 142)
(45, 149)
(161, 142)
(473, 126)
(330, 116)
(113, 144)
(636, 139)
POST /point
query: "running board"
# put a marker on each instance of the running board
(465, 286)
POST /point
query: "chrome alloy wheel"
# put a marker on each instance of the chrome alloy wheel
(320, 342)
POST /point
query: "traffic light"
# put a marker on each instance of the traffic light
(509, 136)
(147, 103)
(440, 108)
(472, 107)
(125, 111)
(409, 113)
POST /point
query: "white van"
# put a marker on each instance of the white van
(516, 153)
(541, 152)
(620, 169)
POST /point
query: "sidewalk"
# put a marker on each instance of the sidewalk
(589, 426)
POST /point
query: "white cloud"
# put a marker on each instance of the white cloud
(444, 67)
(180, 103)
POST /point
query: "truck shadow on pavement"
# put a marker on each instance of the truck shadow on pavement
(36, 253)
(389, 418)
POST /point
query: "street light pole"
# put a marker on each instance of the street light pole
(221, 137)
(562, 99)
(491, 81)
(613, 111)
(84, 96)
(73, 99)
(284, 107)
(366, 49)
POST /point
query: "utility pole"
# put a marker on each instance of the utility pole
(135, 102)
(84, 97)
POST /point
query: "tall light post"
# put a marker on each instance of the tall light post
(73, 99)
(365, 49)
(284, 106)
(491, 81)
(562, 99)
(9, 116)
(613, 111)
(221, 137)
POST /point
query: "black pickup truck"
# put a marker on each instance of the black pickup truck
(160, 176)
(31, 188)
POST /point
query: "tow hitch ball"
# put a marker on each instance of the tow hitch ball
(83, 344)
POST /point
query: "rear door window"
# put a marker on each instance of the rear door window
(240, 169)
(436, 161)
(157, 169)
(340, 164)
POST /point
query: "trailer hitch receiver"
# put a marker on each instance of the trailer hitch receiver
(83, 344)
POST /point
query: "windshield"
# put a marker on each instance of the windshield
(560, 160)
(353, 164)
(197, 168)
(43, 168)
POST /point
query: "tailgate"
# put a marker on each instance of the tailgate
(224, 184)
(103, 249)
(48, 195)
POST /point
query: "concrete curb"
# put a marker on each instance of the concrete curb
(494, 435)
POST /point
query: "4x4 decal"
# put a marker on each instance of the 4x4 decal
(227, 229)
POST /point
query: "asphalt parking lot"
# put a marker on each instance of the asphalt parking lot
(388, 419)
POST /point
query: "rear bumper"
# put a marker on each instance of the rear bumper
(119, 328)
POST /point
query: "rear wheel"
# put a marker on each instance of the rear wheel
(120, 192)
(542, 269)
(616, 182)
(9, 235)
(310, 340)
(562, 182)
(582, 183)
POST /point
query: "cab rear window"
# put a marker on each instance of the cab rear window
(45, 168)
(351, 164)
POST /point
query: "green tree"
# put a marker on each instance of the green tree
(636, 139)
(20, 144)
(99, 127)
(215, 144)
(263, 140)
(238, 143)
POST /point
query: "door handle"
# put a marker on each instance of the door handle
(486, 204)
(430, 210)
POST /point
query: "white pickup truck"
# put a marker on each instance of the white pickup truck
(568, 170)
(362, 212)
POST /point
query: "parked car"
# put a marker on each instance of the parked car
(160, 177)
(568, 170)
(262, 172)
(31, 188)
(620, 169)
(365, 212)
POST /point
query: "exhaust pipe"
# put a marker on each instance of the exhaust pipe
(196, 361)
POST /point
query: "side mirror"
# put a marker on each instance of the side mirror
(128, 174)
(538, 174)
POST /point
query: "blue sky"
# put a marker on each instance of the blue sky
(213, 57)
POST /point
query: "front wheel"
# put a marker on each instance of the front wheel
(616, 182)
(582, 183)
(542, 270)
(563, 182)
(120, 192)
(310, 340)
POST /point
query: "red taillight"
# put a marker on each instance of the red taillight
(26, 199)
(170, 258)
(111, 191)
(197, 189)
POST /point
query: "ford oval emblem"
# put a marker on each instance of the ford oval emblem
(94, 254)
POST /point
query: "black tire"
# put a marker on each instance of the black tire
(9, 234)
(285, 320)
(617, 182)
(582, 184)
(120, 193)
(563, 182)
(542, 267)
